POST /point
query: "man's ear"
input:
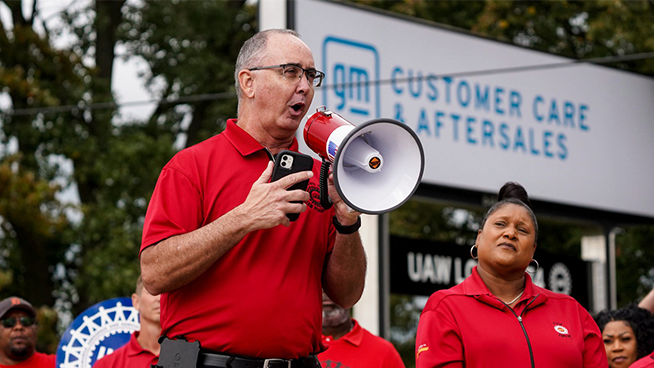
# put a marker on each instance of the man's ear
(135, 301)
(246, 83)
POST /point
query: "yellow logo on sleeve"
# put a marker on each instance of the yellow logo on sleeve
(422, 348)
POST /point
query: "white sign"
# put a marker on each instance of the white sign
(578, 135)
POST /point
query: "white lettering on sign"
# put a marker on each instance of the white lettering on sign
(460, 275)
(443, 270)
(437, 269)
(537, 276)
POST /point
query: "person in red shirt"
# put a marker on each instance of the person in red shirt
(233, 272)
(646, 362)
(628, 334)
(142, 349)
(18, 336)
(350, 345)
(497, 317)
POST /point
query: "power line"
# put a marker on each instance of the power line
(229, 95)
(114, 105)
(567, 63)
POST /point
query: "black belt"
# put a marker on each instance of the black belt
(206, 359)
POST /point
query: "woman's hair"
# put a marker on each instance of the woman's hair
(640, 320)
(512, 193)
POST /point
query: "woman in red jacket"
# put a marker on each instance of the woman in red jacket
(628, 334)
(497, 317)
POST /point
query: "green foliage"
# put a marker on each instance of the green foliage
(190, 48)
(455, 13)
(47, 338)
(69, 136)
(634, 255)
(557, 236)
(111, 231)
(405, 314)
(576, 29)
(34, 231)
(426, 220)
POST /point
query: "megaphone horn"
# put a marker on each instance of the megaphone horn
(377, 165)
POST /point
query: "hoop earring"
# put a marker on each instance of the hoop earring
(472, 255)
(537, 267)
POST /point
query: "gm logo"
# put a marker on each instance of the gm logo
(352, 70)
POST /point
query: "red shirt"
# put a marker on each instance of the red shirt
(38, 360)
(359, 349)
(263, 298)
(646, 362)
(466, 326)
(130, 355)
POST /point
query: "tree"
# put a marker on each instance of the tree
(34, 233)
(635, 274)
(184, 60)
(190, 48)
(575, 29)
(63, 132)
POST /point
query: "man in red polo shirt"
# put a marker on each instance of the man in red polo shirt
(350, 345)
(142, 349)
(18, 336)
(233, 272)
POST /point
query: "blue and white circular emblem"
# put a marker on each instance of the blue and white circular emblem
(98, 331)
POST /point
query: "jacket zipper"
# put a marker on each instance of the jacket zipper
(519, 317)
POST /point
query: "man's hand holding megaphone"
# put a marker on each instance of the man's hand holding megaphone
(348, 220)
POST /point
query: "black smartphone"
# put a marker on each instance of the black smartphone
(289, 162)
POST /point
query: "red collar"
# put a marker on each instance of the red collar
(134, 347)
(474, 286)
(244, 142)
(354, 337)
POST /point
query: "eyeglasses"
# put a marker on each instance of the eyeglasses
(11, 321)
(295, 72)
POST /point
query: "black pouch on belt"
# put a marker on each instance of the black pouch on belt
(178, 353)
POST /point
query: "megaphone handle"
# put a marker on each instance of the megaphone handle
(325, 202)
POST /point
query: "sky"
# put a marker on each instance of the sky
(127, 87)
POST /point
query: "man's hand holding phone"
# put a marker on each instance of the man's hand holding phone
(290, 162)
(269, 201)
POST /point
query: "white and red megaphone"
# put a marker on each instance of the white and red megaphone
(377, 165)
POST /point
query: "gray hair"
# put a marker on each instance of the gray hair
(252, 52)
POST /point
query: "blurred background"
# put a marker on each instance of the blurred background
(96, 96)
